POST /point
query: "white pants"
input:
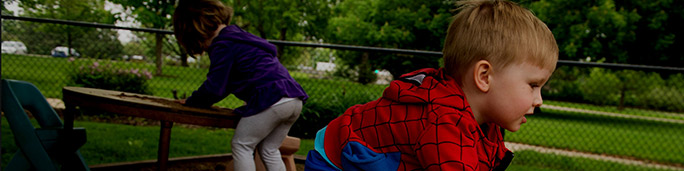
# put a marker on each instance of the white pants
(266, 129)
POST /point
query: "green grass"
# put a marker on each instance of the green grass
(111, 143)
(651, 140)
(531, 160)
(613, 109)
(51, 74)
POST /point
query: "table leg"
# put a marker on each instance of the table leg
(68, 114)
(164, 141)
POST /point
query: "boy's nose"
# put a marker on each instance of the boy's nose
(537, 100)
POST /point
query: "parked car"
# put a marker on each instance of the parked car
(133, 58)
(14, 47)
(61, 51)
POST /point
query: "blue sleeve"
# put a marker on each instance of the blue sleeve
(316, 162)
(216, 86)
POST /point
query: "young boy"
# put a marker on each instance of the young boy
(497, 56)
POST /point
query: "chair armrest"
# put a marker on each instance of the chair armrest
(60, 141)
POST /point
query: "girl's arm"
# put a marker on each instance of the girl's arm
(215, 87)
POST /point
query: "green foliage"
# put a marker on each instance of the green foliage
(601, 87)
(154, 14)
(632, 31)
(327, 100)
(150, 13)
(108, 78)
(284, 20)
(401, 24)
(624, 88)
(672, 87)
(563, 85)
(652, 100)
(629, 88)
(355, 74)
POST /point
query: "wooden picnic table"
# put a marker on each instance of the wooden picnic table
(157, 108)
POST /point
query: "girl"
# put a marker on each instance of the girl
(246, 66)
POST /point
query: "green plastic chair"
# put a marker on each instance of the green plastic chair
(49, 147)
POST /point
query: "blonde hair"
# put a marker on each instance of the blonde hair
(194, 22)
(501, 32)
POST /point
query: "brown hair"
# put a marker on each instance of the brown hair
(500, 32)
(195, 21)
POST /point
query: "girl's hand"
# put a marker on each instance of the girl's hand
(181, 101)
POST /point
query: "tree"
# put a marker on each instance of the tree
(284, 20)
(153, 14)
(633, 31)
(659, 32)
(403, 24)
(88, 41)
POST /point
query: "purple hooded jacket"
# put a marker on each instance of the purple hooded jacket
(245, 65)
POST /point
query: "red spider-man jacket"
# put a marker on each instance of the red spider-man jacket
(422, 122)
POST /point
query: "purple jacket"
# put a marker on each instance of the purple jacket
(245, 65)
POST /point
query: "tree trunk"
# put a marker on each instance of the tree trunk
(281, 48)
(365, 74)
(158, 53)
(68, 52)
(262, 32)
(183, 55)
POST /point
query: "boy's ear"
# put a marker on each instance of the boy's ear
(482, 75)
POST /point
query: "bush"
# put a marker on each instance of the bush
(106, 77)
(663, 98)
(600, 87)
(563, 85)
(629, 88)
(355, 74)
(328, 100)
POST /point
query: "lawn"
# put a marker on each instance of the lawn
(111, 143)
(614, 109)
(51, 74)
(531, 160)
(640, 139)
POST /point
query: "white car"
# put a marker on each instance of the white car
(14, 47)
(61, 51)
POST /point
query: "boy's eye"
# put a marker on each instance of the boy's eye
(534, 85)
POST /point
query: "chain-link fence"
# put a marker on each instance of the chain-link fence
(595, 116)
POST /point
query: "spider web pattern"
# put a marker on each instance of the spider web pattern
(430, 124)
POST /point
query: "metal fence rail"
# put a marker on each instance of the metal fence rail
(630, 112)
(348, 47)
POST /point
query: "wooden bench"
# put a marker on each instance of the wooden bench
(163, 109)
